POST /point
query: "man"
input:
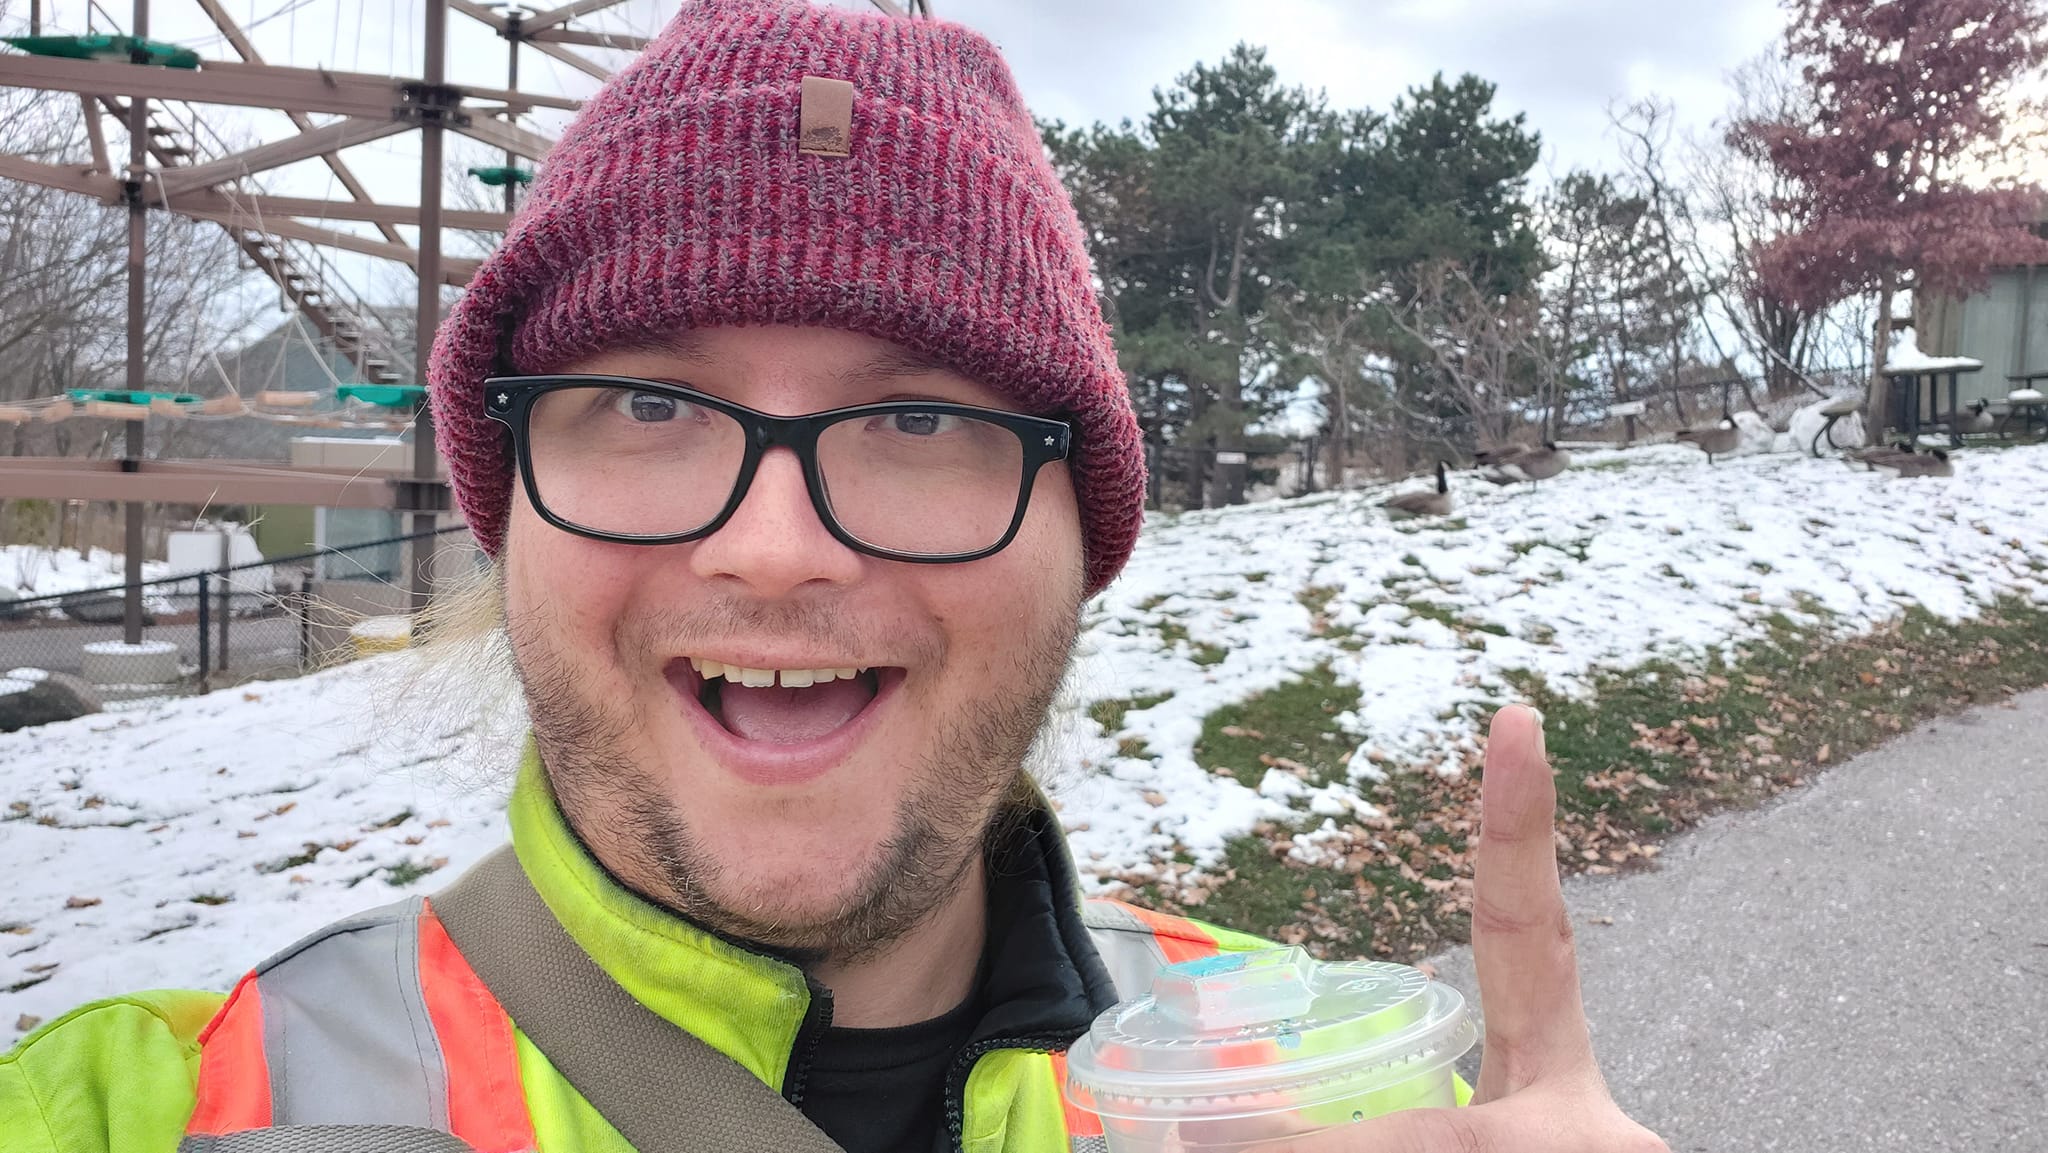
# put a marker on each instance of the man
(789, 417)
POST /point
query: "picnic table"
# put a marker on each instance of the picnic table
(1919, 380)
(2026, 401)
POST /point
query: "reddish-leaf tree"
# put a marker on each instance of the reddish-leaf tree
(1895, 171)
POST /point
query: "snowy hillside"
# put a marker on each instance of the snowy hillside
(177, 844)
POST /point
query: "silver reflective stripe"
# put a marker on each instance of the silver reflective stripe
(1129, 950)
(346, 1030)
(329, 1139)
(1088, 1145)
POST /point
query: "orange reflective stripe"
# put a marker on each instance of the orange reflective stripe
(234, 1078)
(486, 1106)
(1179, 940)
(1080, 1122)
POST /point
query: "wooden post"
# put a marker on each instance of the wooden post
(138, 143)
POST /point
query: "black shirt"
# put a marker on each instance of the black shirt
(883, 1090)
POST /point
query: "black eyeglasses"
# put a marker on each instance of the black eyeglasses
(636, 461)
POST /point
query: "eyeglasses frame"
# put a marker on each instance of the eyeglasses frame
(509, 400)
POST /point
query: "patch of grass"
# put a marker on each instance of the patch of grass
(407, 871)
(1134, 748)
(211, 899)
(298, 860)
(1255, 577)
(1450, 619)
(1286, 721)
(1763, 566)
(1110, 714)
(1411, 560)
(1651, 750)
(1223, 595)
(1153, 602)
(1206, 654)
(1172, 632)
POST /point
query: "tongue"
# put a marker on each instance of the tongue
(791, 716)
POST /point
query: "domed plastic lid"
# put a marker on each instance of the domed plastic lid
(1252, 1032)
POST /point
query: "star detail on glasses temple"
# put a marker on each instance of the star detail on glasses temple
(504, 398)
(1050, 441)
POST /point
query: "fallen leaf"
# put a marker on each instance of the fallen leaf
(81, 902)
(156, 828)
(45, 967)
(439, 824)
(1599, 920)
(1243, 733)
(1821, 757)
(1426, 969)
(287, 807)
(252, 697)
(1154, 798)
(26, 1021)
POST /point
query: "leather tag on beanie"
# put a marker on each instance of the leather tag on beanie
(825, 126)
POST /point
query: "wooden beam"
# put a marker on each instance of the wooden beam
(190, 482)
(510, 137)
(566, 13)
(65, 178)
(245, 85)
(479, 13)
(589, 39)
(252, 209)
(305, 146)
(96, 134)
(454, 271)
(251, 86)
(573, 59)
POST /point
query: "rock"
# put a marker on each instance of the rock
(100, 608)
(1808, 421)
(37, 697)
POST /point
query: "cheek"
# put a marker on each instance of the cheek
(561, 589)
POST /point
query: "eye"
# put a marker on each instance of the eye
(647, 407)
(923, 423)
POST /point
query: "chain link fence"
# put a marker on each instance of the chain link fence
(278, 617)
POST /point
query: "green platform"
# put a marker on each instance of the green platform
(125, 49)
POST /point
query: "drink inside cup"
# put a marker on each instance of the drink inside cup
(1240, 1048)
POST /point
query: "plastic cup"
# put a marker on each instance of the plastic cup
(1241, 1048)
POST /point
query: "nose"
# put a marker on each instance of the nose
(774, 542)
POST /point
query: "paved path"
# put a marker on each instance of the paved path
(1861, 965)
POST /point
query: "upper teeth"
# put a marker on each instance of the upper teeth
(766, 678)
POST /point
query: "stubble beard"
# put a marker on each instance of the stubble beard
(627, 817)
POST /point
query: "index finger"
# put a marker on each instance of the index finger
(1521, 934)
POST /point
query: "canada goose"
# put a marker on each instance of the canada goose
(1980, 419)
(1720, 440)
(1907, 462)
(1882, 454)
(1518, 464)
(1415, 504)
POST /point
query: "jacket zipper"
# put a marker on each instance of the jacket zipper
(963, 1066)
(817, 1019)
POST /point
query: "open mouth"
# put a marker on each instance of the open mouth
(781, 706)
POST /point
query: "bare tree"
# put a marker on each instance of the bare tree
(1486, 348)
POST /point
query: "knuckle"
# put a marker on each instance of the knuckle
(1455, 1131)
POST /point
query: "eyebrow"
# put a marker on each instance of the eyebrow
(893, 365)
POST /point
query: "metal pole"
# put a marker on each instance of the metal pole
(425, 464)
(305, 620)
(513, 17)
(35, 17)
(227, 609)
(138, 143)
(205, 637)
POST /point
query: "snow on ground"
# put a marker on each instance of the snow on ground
(179, 843)
(34, 571)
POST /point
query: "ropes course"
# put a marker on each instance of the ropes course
(161, 92)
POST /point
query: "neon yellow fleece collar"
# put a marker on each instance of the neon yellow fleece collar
(748, 1006)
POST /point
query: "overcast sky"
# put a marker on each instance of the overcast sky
(1560, 61)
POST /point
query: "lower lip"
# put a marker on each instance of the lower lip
(770, 764)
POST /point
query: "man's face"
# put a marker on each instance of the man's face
(828, 819)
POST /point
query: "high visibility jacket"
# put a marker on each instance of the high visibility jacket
(379, 1019)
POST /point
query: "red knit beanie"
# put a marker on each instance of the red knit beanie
(679, 199)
